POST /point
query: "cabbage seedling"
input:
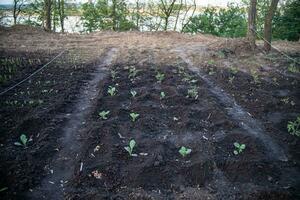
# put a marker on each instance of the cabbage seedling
(192, 93)
(133, 93)
(134, 116)
(129, 148)
(162, 95)
(184, 151)
(239, 148)
(103, 114)
(23, 141)
(160, 77)
(112, 91)
(294, 127)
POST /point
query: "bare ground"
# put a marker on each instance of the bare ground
(244, 96)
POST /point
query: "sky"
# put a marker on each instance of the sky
(199, 2)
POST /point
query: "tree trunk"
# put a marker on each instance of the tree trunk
(251, 34)
(268, 25)
(114, 14)
(15, 12)
(48, 14)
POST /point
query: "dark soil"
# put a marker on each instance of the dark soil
(211, 171)
(33, 109)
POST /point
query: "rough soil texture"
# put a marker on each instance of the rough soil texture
(243, 96)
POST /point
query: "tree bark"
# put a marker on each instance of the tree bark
(251, 33)
(268, 25)
(48, 14)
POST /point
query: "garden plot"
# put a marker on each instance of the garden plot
(159, 132)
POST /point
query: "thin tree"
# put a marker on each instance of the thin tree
(18, 4)
(186, 22)
(61, 13)
(47, 10)
(251, 33)
(268, 25)
(167, 8)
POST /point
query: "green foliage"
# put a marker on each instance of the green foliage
(184, 151)
(23, 141)
(293, 68)
(112, 91)
(162, 95)
(113, 74)
(227, 22)
(286, 21)
(103, 114)
(160, 77)
(239, 148)
(133, 93)
(134, 116)
(106, 15)
(294, 127)
(193, 92)
(132, 72)
(130, 147)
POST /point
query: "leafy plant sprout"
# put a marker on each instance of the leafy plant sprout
(130, 147)
(231, 79)
(239, 148)
(294, 127)
(134, 116)
(255, 76)
(162, 95)
(133, 93)
(184, 151)
(132, 72)
(112, 91)
(113, 74)
(23, 141)
(160, 77)
(193, 93)
(293, 68)
(103, 114)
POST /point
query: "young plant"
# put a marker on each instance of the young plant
(184, 151)
(113, 74)
(231, 79)
(112, 91)
(162, 95)
(23, 141)
(130, 147)
(294, 127)
(255, 76)
(239, 148)
(192, 93)
(160, 77)
(133, 93)
(293, 68)
(132, 72)
(134, 116)
(103, 114)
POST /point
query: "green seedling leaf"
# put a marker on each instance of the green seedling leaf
(112, 91)
(239, 148)
(133, 93)
(184, 151)
(162, 95)
(237, 145)
(129, 148)
(103, 114)
(134, 116)
(3, 189)
(131, 144)
(24, 139)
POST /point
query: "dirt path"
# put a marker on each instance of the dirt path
(66, 162)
